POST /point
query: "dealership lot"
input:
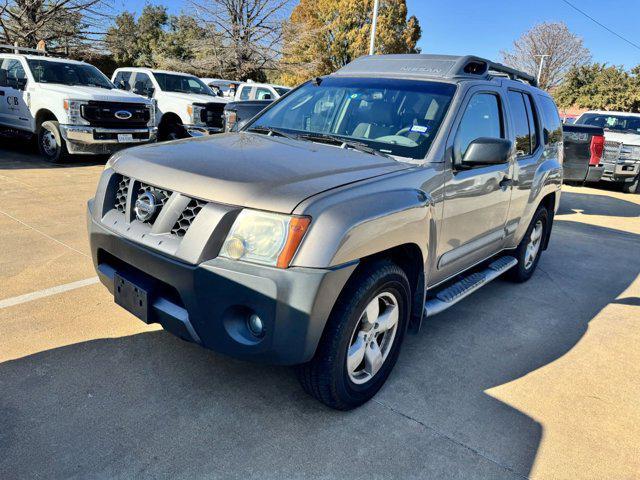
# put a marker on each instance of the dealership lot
(542, 385)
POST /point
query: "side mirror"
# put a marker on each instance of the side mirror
(487, 151)
(266, 96)
(149, 92)
(21, 83)
(122, 85)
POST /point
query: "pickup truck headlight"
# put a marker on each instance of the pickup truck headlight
(73, 110)
(152, 113)
(265, 238)
(630, 152)
(195, 113)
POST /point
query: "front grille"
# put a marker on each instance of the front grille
(186, 218)
(121, 194)
(213, 115)
(103, 114)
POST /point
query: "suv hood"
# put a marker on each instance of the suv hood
(250, 169)
(626, 138)
(194, 97)
(92, 93)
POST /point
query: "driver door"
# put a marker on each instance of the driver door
(476, 199)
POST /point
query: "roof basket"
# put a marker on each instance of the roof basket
(24, 50)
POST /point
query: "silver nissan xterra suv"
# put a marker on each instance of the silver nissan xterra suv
(338, 218)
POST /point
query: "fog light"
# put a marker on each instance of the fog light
(254, 322)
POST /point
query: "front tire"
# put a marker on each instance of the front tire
(51, 145)
(530, 248)
(362, 338)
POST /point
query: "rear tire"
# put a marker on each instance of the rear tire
(355, 357)
(530, 248)
(171, 130)
(633, 186)
(51, 145)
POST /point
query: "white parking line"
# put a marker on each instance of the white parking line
(47, 292)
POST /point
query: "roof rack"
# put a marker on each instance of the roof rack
(17, 49)
(433, 66)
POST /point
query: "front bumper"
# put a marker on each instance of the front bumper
(209, 303)
(202, 130)
(622, 171)
(82, 139)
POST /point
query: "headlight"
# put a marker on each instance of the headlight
(230, 118)
(195, 113)
(152, 113)
(73, 109)
(266, 238)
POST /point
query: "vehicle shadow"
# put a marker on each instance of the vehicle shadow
(20, 154)
(593, 204)
(150, 405)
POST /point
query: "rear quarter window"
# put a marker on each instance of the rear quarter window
(550, 120)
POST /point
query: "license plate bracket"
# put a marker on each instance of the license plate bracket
(132, 297)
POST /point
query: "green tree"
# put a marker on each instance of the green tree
(324, 35)
(602, 87)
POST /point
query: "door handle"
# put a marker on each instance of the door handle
(506, 182)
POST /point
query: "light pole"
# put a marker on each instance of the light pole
(542, 57)
(374, 23)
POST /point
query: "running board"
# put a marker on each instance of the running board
(451, 295)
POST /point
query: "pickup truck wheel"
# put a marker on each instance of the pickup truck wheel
(633, 186)
(362, 338)
(530, 248)
(171, 130)
(50, 142)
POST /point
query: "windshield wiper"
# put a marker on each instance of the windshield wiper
(274, 131)
(335, 139)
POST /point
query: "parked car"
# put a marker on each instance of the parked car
(221, 87)
(338, 218)
(583, 151)
(69, 106)
(259, 91)
(236, 114)
(621, 157)
(186, 107)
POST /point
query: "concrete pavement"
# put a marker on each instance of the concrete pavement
(539, 380)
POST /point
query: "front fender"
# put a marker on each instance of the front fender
(358, 227)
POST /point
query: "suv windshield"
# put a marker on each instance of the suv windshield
(620, 123)
(182, 84)
(396, 117)
(47, 71)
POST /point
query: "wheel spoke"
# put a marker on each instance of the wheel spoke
(372, 311)
(372, 358)
(535, 235)
(356, 353)
(388, 319)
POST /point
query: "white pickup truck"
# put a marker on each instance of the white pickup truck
(70, 106)
(185, 105)
(259, 91)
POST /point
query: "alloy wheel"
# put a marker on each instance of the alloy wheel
(372, 338)
(533, 247)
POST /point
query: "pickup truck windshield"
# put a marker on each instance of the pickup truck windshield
(620, 123)
(395, 117)
(48, 71)
(182, 84)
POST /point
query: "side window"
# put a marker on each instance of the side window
(551, 120)
(143, 84)
(244, 93)
(521, 123)
(123, 80)
(263, 94)
(482, 118)
(13, 74)
(533, 121)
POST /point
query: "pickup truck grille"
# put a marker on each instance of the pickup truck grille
(213, 115)
(103, 114)
(182, 222)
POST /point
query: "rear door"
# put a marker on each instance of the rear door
(15, 111)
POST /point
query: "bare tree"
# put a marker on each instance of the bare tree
(60, 23)
(561, 49)
(248, 34)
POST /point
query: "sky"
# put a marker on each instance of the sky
(485, 27)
